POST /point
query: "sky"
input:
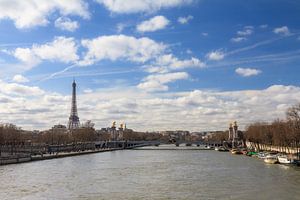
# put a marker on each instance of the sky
(192, 65)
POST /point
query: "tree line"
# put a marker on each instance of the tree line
(283, 133)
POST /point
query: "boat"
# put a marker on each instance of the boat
(244, 151)
(251, 153)
(283, 159)
(223, 149)
(236, 151)
(217, 148)
(271, 159)
(261, 155)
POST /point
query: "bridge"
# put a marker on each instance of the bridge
(10, 154)
(38, 149)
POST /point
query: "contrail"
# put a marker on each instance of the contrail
(15, 44)
(259, 44)
(62, 74)
(264, 58)
(93, 73)
(57, 73)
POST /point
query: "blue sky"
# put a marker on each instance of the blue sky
(156, 65)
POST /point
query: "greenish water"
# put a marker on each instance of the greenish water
(150, 174)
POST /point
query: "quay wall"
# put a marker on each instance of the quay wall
(266, 147)
(15, 159)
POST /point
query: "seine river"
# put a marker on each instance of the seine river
(150, 174)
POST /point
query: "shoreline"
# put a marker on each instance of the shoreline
(19, 160)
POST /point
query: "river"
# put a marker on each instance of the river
(150, 174)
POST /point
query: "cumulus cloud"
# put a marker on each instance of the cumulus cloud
(215, 55)
(246, 72)
(115, 47)
(284, 30)
(19, 89)
(185, 20)
(157, 82)
(238, 39)
(20, 79)
(153, 24)
(135, 6)
(30, 13)
(26, 56)
(248, 30)
(60, 49)
(169, 62)
(196, 110)
(67, 24)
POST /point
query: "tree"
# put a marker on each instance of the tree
(293, 117)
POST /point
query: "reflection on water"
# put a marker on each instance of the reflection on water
(148, 174)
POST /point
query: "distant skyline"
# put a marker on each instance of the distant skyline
(156, 65)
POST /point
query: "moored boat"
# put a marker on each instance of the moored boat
(236, 151)
(244, 152)
(271, 159)
(284, 159)
(223, 149)
(261, 155)
(251, 153)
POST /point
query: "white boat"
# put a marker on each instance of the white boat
(283, 159)
(222, 149)
(217, 148)
(262, 155)
(271, 159)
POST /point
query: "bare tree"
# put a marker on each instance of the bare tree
(293, 117)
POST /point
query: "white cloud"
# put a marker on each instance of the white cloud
(135, 6)
(264, 26)
(204, 34)
(157, 82)
(88, 90)
(248, 30)
(284, 30)
(30, 13)
(196, 110)
(20, 79)
(185, 20)
(19, 89)
(238, 39)
(26, 56)
(153, 24)
(65, 23)
(60, 49)
(169, 62)
(120, 27)
(246, 72)
(115, 47)
(215, 55)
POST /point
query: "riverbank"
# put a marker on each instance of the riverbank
(16, 159)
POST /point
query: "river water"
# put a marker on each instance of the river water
(150, 174)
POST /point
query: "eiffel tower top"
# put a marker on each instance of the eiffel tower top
(73, 119)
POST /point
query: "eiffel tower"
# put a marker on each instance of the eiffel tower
(73, 119)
